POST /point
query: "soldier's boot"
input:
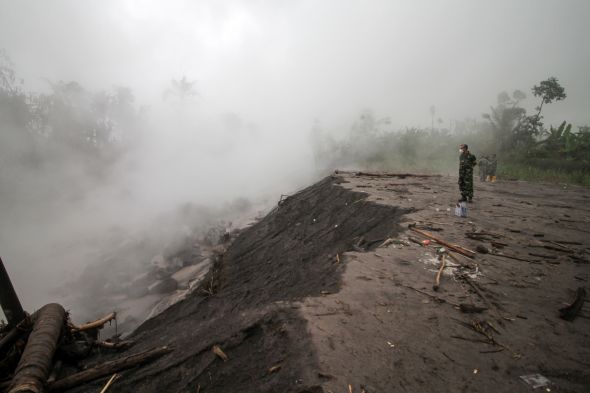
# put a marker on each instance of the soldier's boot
(493, 179)
(488, 178)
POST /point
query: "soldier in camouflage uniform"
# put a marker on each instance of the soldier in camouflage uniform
(466, 163)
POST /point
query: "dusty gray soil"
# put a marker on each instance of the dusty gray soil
(307, 301)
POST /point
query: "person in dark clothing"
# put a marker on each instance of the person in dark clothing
(466, 163)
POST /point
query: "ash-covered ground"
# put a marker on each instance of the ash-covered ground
(314, 298)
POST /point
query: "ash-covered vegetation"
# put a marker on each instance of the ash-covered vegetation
(527, 147)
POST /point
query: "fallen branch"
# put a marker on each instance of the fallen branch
(440, 270)
(107, 368)
(438, 299)
(546, 256)
(450, 246)
(109, 383)
(509, 256)
(558, 244)
(219, 352)
(114, 345)
(96, 324)
(483, 297)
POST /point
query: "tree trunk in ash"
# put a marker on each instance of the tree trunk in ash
(35, 364)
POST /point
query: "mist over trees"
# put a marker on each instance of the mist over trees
(521, 140)
(68, 127)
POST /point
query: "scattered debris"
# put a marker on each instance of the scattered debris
(274, 369)
(535, 380)
(570, 312)
(109, 383)
(482, 249)
(454, 247)
(470, 308)
(108, 368)
(483, 297)
(219, 352)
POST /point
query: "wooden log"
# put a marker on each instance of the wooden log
(461, 250)
(108, 368)
(36, 361)
(9, 300)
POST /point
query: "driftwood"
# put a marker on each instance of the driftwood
(107, 368)
(114, 345)
(99, 323)
(558, 244)
(37, 359)
(9, 300)
(454, 247)
(509, 256)
(570, 312)
(440, 270)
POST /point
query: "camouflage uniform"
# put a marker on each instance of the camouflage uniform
(466, 163)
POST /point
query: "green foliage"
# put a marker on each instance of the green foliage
(564, 144)
(519, 171)
(549, 90)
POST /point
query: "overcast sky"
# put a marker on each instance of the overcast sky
(295, 61)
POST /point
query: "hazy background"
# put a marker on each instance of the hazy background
(265, 74)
